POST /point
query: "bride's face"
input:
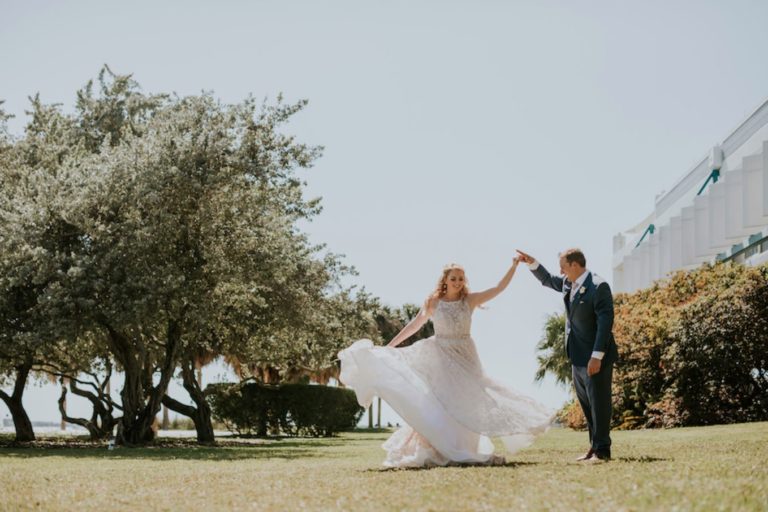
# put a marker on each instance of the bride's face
(455, 281)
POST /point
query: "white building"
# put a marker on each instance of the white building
(717, 211)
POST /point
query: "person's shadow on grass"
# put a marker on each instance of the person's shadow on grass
(641, 459)
(510, 464)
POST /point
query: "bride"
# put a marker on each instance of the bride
(438, 386)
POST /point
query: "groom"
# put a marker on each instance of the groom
(589, 342)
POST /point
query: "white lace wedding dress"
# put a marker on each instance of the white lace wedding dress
(438, 387)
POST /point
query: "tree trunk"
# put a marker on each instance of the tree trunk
(201, 419)
(136, 425)
(201, 413)
(141, 400)
(63, 404)
(24, 431)
(370, 416)
(166, 421)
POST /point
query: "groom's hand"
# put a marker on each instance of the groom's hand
(593, 367)
(525, 258)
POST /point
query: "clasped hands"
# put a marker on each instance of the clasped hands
(525, 258)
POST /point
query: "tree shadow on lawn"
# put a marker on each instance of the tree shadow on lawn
(362, 439)
(226, 451)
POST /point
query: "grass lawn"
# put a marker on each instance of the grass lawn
(707, 468)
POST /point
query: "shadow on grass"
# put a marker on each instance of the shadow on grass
(174, 449)
(511, 464)
(381, 430)
(641, 459)
(360, 439)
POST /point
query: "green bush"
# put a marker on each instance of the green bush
(288, 409)
(571, 415)
(716, 368)
(695, 348)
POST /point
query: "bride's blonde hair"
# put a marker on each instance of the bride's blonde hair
(442, 286)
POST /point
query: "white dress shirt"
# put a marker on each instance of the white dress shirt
(574, 288)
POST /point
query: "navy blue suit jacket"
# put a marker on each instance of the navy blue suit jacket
(588, 319)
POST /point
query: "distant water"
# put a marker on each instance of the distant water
(75, 430)
(49, 430)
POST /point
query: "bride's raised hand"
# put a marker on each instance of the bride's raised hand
(479, 298)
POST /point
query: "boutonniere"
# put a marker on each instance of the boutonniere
(583, 290)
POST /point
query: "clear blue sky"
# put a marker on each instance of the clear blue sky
(454, 131)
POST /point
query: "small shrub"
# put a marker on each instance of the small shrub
(572, 416)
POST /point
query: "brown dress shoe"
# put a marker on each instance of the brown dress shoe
(586, 456)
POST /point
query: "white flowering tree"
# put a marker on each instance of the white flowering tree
(159, 230)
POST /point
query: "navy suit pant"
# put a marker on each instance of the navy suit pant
(594, 395)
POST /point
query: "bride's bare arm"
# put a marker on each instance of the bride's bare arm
(478, 298)
(414, 325)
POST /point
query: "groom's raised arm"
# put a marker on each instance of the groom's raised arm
(540, 273)
(546, 279)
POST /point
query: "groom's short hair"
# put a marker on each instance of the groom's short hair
(574, 256)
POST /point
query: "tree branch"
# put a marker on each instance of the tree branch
(71, 378)
(69, 419)
(176, 406)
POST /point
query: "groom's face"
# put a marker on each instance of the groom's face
(571, 271)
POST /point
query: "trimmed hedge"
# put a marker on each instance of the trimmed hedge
(287, 409)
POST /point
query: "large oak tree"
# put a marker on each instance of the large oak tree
(157, 230)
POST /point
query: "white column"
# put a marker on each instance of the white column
(752, 192)
(665, 250)
(688, 236)
(717, 240)
(764, 169)
(618, 279)
(635, 271)
(702, 252)
(734, 206)
(654, 257)
(619, 241)
(644, 264)
(676, 243)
